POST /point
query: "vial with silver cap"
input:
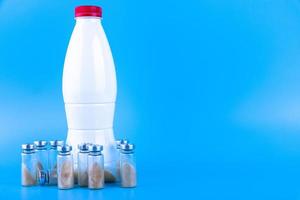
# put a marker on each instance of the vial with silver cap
(118, 146)
(127, 165)
(41, 154)
(28, 169)
(65, 168)
(119, 142)
(82, 167)
(95, 167)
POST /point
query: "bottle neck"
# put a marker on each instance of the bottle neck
(91, 19)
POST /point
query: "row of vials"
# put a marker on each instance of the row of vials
(51, 163)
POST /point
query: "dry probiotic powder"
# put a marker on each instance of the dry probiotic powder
(66, 175)
(27, 178)
(96, 176)
(128, 175)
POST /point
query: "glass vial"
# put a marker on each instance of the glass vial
(95, 167)
(118, 146)
(28, 168)
(52, 161)
(41, 155)
(65, 167)
(127, 165)
(82, 164)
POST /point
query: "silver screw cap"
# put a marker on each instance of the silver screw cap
(127, 148)
(64, 149)
(95, 148)
(119, 142)
(28, 147)
(40, 144)
(56, 143)
(84, 147)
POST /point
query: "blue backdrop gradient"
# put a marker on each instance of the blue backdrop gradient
(207, 89)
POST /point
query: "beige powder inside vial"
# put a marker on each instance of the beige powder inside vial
(96, 176)
(27, 178)
(128, 175)
(66, 176)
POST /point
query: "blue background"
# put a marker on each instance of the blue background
(208, 90)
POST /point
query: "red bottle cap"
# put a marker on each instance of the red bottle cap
(83, 11)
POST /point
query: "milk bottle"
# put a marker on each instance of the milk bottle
(89, 87)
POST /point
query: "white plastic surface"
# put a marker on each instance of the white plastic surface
(89, 88)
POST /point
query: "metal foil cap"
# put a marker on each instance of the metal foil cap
(127, 148)
(28, 147)
(95, 148)
(40, 144)
(56, 143)
(84, 147)
(64, 149)
(119, 142)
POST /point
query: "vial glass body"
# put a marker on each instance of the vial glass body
(52, 164)
(42, 159)
(127, 169)
(65, 171)
(118, 146)
(95, 171)
(82, 168)
(118, 165)
(28, 169)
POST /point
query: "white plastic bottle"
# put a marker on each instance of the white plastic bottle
(89, 87)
